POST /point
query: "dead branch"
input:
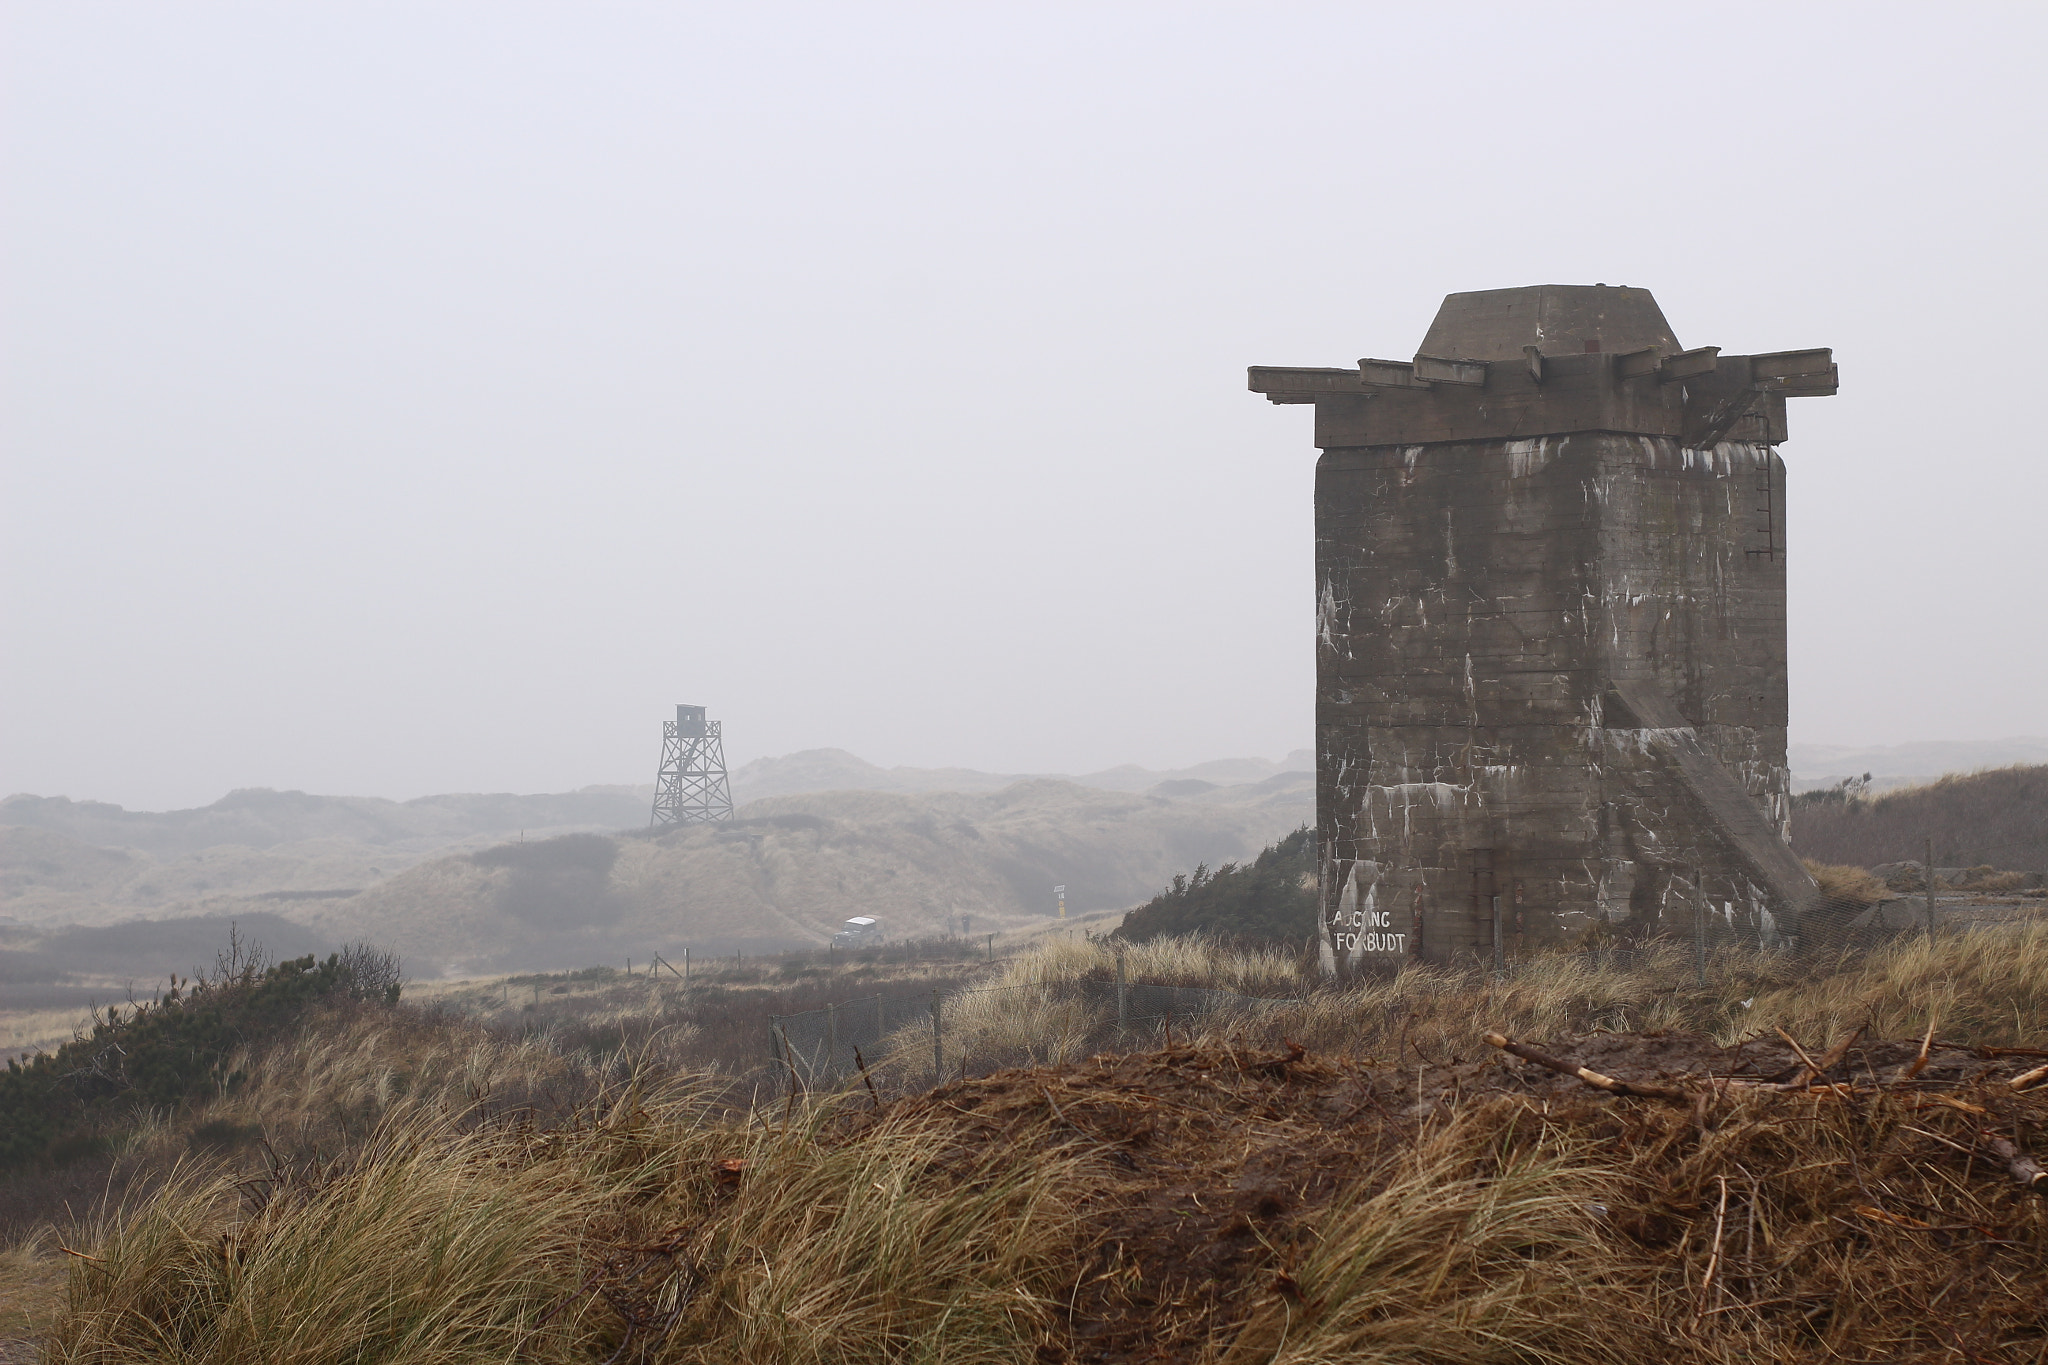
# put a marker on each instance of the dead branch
(2022, 1167)
(1610, 1084)
(1834, 1055)
(1919, 1063)
(1720, 1222)
(1944, 1102)
(1813, 1068)
(2028, 1079)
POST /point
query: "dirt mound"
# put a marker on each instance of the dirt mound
(1812, 1222)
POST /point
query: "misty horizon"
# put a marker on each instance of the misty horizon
(423, 400)
(1809, 763)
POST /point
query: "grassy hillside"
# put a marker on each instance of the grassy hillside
(790, 870)
(1998, 817)
(262, 818)
(86, 862)
(834, 770)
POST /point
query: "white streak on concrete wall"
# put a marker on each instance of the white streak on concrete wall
(1528, 457)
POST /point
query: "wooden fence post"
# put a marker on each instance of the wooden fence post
(1929, 869)
(1122, 994)
(1500, 947)
(1699, 927)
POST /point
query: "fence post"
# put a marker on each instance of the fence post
(1928, 869)
(1122, 993)
(881, 1022)
(1699, 927)
(991, 947)
(938, 1045)
(686, 966)
(831, 1034)
(1500, 947)
(788, 1055)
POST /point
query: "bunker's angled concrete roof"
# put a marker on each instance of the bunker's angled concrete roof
(1557, 319)
(1552, 359)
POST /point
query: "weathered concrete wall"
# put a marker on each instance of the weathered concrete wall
(1550, 669)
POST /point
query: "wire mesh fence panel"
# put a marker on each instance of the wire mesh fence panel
(916, 1039)
(820, 1047)
(913, 1040)
(1830, 929)
(1834, 926)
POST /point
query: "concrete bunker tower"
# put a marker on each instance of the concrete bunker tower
(1550, 661)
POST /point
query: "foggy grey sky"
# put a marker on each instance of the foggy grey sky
(424, 397)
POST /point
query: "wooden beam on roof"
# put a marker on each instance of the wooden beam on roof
(1688, 364)
(1432, 369)
(1300, 384)
(1797, 374)
(1390, 374)
(1637, 364)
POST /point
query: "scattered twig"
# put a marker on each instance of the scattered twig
(2027, 1079)
(1813, 1068)
(1919, 1063)
(1897, 1220)
(1834, 1055)
(1720, 1225)
(1945, 1102)
(1061, 1116)
(862, 1064)
(1610, 1084)
(1760, 1303)
(1946, 1142)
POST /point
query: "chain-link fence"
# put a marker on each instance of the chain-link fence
(914, 1039)
(1878, 913)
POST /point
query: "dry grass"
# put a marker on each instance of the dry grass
(441, 1242)
(23, 1033)
(32, 1277)
(1173, 961)
(1985, 878)
(497, 1197)
(1989, 985)
(1481, 1244)
(1847, 885)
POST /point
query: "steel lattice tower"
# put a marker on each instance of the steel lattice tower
(691, 788)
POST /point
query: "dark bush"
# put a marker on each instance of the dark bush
(592, 853)
(169, 1052)
(1271, 900)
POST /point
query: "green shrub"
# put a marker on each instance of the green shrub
(164, 1054)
